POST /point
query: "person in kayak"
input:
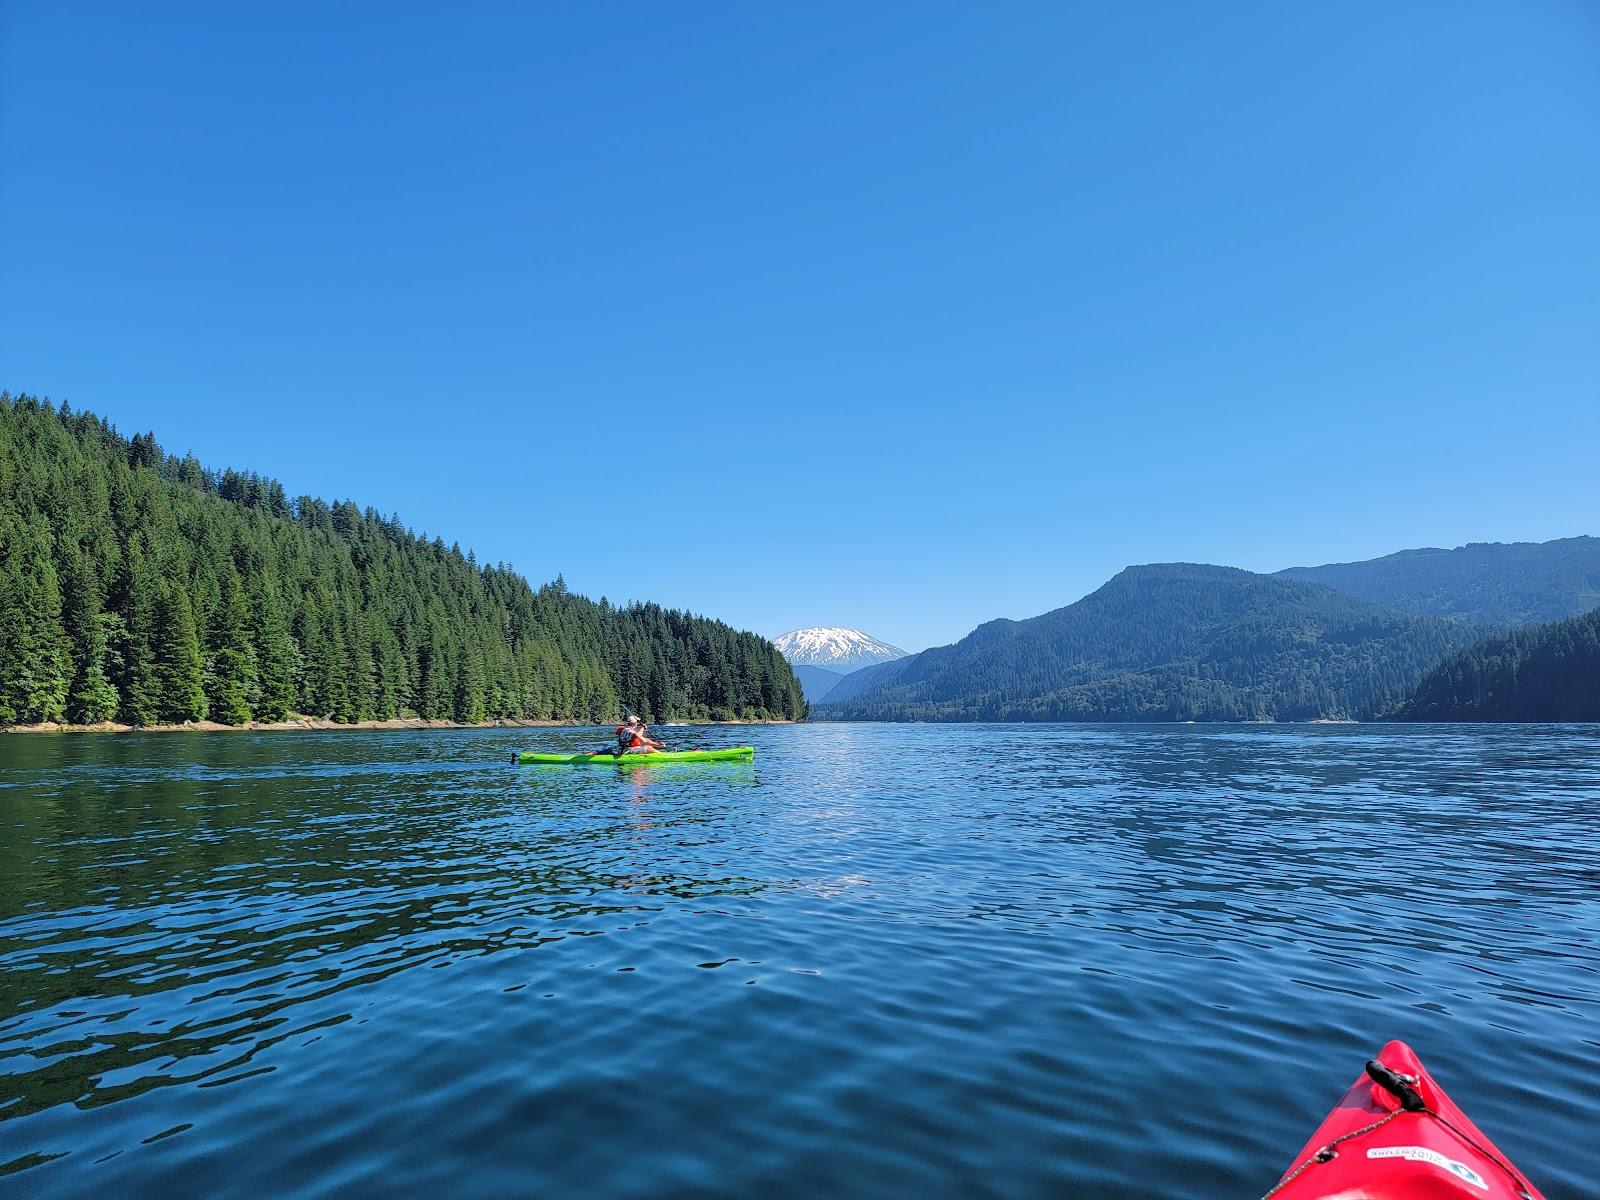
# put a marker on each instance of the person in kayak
(633, 737)
(652, 746)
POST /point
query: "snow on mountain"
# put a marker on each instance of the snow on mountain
(840, 650)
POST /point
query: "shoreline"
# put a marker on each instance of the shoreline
(322, 724)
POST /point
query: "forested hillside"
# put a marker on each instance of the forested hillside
(1542, 673)
(1174, 641)
(141, 587)
(1483, 584)
(859, 683)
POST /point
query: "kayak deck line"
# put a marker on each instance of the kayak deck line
(731, 754)
(1396, 1135)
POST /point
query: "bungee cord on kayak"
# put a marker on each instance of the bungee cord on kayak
(1419, 1147)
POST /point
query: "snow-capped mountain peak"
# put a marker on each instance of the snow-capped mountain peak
(836, 649)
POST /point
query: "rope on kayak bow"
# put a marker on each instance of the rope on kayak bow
(1515, 1175)
(1330, 1152)
(1401, 1088)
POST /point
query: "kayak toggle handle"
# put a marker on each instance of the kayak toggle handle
(1397, 1085)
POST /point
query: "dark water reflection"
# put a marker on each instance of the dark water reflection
(1011, 961)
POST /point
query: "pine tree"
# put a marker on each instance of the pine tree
(91, 698)
(469, 696)
(33, 644)
(230, 675)
(277, 656)
(179, 667)
(134, 643)
(16, 646)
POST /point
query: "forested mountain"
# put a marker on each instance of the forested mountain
(138, 586)
(1484, 584)
(1174, 641)
(859, 683)
(1540, 673)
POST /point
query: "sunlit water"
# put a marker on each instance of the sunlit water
(882, 961)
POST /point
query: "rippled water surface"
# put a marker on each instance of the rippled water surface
(881, 961)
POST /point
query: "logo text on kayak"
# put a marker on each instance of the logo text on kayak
(1422, 1154)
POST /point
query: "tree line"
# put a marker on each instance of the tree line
(141, 587)
(1540, 673)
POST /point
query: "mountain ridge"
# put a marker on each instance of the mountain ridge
(1166, 641)
(1486, 584)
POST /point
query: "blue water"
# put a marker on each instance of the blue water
(882, 961)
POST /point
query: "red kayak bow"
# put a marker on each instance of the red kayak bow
(1397, 1136)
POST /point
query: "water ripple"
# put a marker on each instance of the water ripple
(1005, 960)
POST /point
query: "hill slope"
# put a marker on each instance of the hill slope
(1543, 673)
(138, 586)
(1484, 584)
(1173, 641)
(859, 683)
(816, 682)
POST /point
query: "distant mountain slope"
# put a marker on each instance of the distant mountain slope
(1175, 641)
(858, 683)
(815, 682)
(834, 649)
(1543, 673)
(1485, 583)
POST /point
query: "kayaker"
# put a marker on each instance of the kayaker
(643, 743)
(633, 737)
(627, 732)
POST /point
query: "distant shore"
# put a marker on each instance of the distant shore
(296, 724)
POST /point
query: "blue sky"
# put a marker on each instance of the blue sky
(894, 316)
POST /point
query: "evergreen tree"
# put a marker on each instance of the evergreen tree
(134, 647)
(35, 663)
(16, 647)
(179, 669)
(230, 677)
(277, 657)
(91, 698)
(469, 697)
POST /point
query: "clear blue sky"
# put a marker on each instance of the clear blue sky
(893, 316)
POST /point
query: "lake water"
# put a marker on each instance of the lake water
(1137, 961)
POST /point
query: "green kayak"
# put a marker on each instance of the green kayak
(733, 754)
